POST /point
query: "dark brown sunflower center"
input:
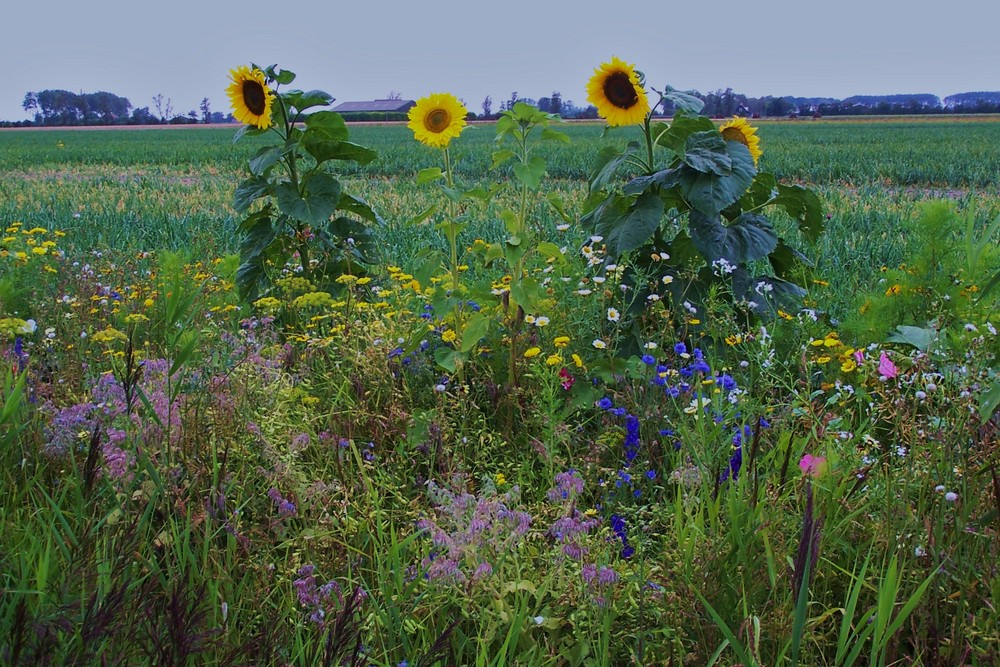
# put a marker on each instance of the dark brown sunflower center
(620, 91)
(437, 121)
(735, 134)
(254, 97)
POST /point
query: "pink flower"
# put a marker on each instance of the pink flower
(812, 466)
(886, 368)
(859, 356)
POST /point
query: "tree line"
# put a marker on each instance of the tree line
(62, 107)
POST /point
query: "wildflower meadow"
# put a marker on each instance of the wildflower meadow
(650, 390)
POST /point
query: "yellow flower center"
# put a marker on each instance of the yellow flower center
(254, 97)
(619, 90)
(437, 121)
(735, 134)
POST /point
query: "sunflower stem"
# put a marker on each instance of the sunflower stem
(647, 130)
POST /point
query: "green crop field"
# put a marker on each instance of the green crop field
(398, 466)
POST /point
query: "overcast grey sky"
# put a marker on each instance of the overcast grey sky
(363, 49)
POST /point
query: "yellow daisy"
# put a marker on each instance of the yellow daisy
(437, 119)
(617, 93)
(250, 97)
(738, 129)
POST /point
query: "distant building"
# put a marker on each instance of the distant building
(375, 106)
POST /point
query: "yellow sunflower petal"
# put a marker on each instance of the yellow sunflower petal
(738, 129)
(617, 93)
(250, 97)
(437, 119)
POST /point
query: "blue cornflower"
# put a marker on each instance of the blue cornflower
(680, 348)
(605, 403)
(396, 353)
(650, 474)
(648, 359)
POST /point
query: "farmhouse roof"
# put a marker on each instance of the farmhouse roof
(375, 105)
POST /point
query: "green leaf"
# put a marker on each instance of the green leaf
(706, 152)
(804, 206)
(787, 262)
(477, 327)
(555, 135)
(328, 124)
(711, 193)
(300, 101)
(501, 156)
(324, 149)
(551, 250)
(494, 253)
(751, 237)
(320, 201)
(525, 292)
(608, 161)
(283, 77)
(429, 175)
(359, 207)
(530, 173)
(423, 215)
(635, 227)
(676, 134)
(918, 337)
(447, 358)
(683, 101)
(668, 178)
(760, 191)
(248, 130)
(248, 192)
(264, 159)
(989, 401)
(556, 202)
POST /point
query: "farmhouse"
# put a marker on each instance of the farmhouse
(375, 109)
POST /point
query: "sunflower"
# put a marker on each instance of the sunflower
(437, 119)
(617, 93)
(738, 129)
(250, 98)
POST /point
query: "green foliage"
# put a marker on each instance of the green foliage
(713, 184)
(301, 197)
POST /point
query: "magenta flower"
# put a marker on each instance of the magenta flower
(886, 368)
(812, 466)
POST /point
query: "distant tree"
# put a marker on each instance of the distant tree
(164, 110)
(487, 107)
(777, 106)
(393, 95)
(556, 103)
(30, 102)
(206, 111)
(143, 116)
(509, 104)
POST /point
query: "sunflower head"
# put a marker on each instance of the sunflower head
(250, 97)
(618, 94)
(437, 119)
(738, 129)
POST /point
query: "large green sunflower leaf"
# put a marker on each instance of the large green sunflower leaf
(676, 134)
(608, 161)
(301, 101)
(760, 191)
(248, 192)
(633, 228)
(360, 208)
(530, 173)
(328, 124)
(320, 201)
(684, 101)
(787, 262)
(706, 152)
(749, 238)
(804, 206)
(710, 193)
(264, 159)
(323, 149)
